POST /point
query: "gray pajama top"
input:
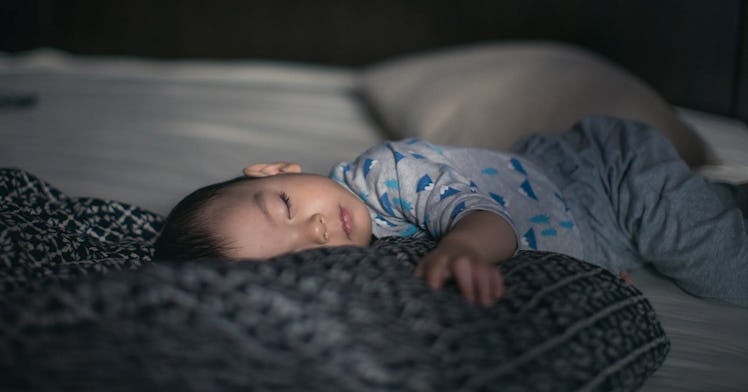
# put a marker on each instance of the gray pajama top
(414, 188)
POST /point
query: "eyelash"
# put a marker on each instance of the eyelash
(287, 200)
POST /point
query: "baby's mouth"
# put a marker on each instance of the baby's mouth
(346, 222)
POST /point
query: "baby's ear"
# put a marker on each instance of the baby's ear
(271, 169)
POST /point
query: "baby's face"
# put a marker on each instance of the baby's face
(285, 213)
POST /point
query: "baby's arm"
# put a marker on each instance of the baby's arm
(468, 254)
(412, 187)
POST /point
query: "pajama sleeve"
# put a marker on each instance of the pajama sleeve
(412, 188)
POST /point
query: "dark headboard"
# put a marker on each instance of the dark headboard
(693, 51)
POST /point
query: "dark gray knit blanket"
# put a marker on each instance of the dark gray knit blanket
(84, 308)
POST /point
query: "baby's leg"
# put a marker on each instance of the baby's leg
(732, 195)
(662, 212)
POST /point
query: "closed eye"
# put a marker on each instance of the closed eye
(287, 201)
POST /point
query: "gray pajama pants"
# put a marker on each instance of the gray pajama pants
(635, 201)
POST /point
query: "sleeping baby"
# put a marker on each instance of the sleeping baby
(611, 192)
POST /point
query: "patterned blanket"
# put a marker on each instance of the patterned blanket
(85, 308)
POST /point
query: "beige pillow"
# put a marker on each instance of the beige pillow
(492, 94)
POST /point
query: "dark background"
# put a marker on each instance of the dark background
(693, 51)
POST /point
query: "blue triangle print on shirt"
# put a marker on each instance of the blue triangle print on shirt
(458, 208)
(566, 224)
(409, 231)
(398, 156)
(529, 239)
(425, 184)
(417, 156)
(526, 189)
(368, 164)
(446, 192)
(385, 201)
(540, 218)
(473, 187)
(406, 205)
(551, 232)
(392, 184)
(489, 171)
(498, 199)
(517, 165)
(381, 221)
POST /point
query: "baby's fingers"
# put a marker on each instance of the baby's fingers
(463, 273)
(488, 284)
(478, 283)
(433, 272)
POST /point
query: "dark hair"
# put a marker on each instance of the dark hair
(185, 235)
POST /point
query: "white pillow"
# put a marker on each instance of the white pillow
(492, 94)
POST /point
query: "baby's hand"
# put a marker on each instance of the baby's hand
(479, 280)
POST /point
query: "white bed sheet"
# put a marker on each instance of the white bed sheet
(146, 132)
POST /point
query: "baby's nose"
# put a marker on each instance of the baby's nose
(318, 229)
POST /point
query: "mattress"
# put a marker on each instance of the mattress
(146, 132)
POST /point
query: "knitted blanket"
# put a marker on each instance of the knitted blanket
(85, 308)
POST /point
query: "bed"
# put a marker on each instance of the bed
(145, 132)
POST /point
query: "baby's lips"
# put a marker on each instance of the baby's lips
(346, 222)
